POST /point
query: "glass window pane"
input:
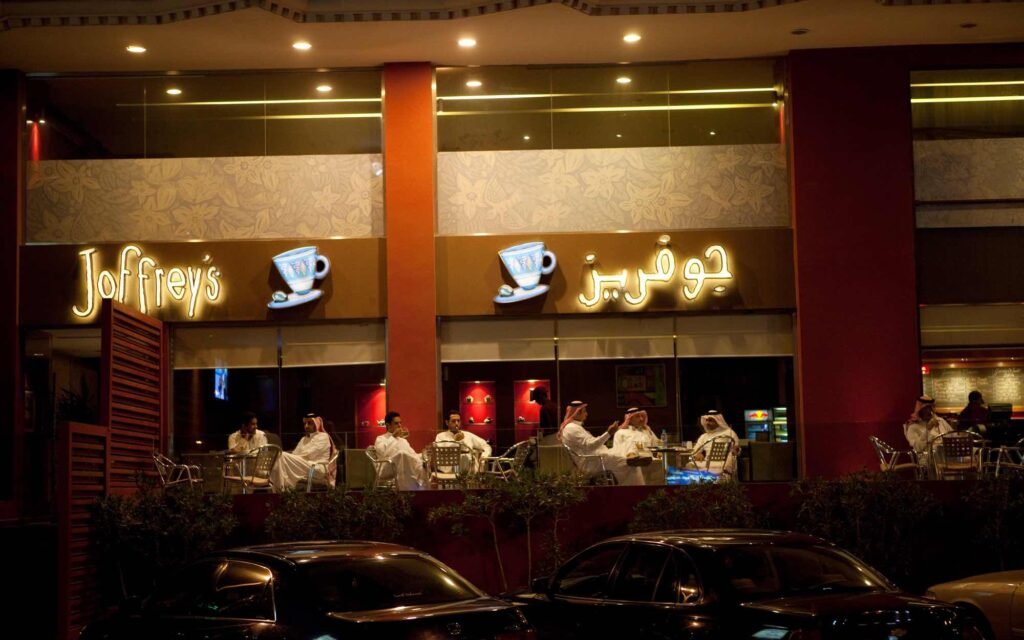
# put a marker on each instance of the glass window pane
(678, 582)
(234, 347)
(749, 335)
(182, 593)
(332, 344)
(243, 591)
(638, 575)
(967, 103)
(587, 576)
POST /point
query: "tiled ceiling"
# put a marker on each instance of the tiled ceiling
(79, 36)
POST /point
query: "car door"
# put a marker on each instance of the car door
(1017, 612)
(656, 593)
(571, 607)
(239, 606)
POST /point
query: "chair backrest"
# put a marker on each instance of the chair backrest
(266, 456)
(272, 438)
(957, 445)
(719, 451)
(164, 466)
(522, 454)
(371, 453)
(882, 450)
(575, 457)
(447, 455)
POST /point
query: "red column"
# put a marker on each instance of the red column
(409, 199)
(12, 123)
(852, 177)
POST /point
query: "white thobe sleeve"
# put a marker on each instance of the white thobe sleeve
(259, 439)
(581, 442)
(917, 436)
(478, 444)
(318, 449)
(385, 446)
(236, 443)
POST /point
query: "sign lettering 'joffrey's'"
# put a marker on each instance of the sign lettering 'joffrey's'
(142, 278)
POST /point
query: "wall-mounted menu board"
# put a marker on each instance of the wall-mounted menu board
(999, 385)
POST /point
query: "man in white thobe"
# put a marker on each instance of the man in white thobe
(315, 447)
(406, 464)
(478, 448)
(715, 426)
(582, 443)
(923, 427)
(248, 438)
(634, 439)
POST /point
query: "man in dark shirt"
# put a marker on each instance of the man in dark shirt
(548, 411)
(976, 412)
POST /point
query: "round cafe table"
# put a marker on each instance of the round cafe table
(678, 451)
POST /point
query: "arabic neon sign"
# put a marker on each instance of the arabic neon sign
(188, 285)
(695, 273)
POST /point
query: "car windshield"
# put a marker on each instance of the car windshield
(383, 582)
(759, 572)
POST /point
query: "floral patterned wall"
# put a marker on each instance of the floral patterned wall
(257, 197)
(948, 172)
(608, 189)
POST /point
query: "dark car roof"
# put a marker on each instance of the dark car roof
(720, 537)
(291, 553)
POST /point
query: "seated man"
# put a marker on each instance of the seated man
(580, 442)
(634, 436)
(248, 437)
(393, 446)
(715, 426)
(478, 448)
(923, 427)
(316, 446)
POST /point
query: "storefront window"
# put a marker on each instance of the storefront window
(278, 373)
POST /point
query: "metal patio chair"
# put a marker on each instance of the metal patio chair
(509, 464)
(253, 474)
(581, 462)
(384, 472)
(889, 458)
(172, 473)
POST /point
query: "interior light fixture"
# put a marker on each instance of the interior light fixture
(529, 96)
(968, 25)
(174, 91)
(323, 88)
(526, 137)
(467, 43)
(135, 48)
(29, 122)
(967, 99)
(631, 38)
(474, 84)
(712, 132)
(674, 107)
(623, 80)
(302, 45)
(980, 83)
(799, 31)
(42, 121)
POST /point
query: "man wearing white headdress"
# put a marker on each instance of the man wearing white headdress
(393, 446)
(715, 426)
(477, 448)
(314, 450)
(574, 436)
(923, 427)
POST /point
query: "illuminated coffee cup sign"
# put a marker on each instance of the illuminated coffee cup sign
(696, 272)
(152, 285)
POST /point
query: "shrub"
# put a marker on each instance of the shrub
(376, 514)
(880, 517)
(995, 506)
(697, 506)
(143, 535)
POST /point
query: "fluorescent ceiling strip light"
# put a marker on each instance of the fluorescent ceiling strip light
(526, 96)
(226, 103)
(679, 107)
(993, 83)
(312, 116)
(968, 99)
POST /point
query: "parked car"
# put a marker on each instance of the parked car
(315, 591)
(731, 584)
(996, 598)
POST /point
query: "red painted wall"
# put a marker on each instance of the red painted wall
(852, 180)
(409, 198)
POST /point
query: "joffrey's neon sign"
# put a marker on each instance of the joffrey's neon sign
(612, 287)
(179, 284)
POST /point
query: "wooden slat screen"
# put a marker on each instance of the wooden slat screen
(83, 452)
(133, 372)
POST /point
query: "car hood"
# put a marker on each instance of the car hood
(843, 604)
(398, 614)
(1005, 578)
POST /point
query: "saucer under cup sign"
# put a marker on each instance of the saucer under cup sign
(526, 264)
(300, 268)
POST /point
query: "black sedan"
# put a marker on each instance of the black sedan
(316, 591)
(731, 584)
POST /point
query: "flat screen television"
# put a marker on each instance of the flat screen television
(220, 383)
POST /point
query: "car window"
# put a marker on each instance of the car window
(679, 582)
(384, 582)
(242, 590)
(586, 575)
(182, 593)
(765, 571)
(639, 573)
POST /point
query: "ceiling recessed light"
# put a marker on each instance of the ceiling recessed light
(623, 80)
(135, 48)
(302, 45)
(631, 38)
(799, 31)
(41, 121)
(174, 91)
(466, 43)
(28, 122)
(526, 137)
(618, 135)
(324, 88)
(968, 25)
(473, 84)
(712, 133)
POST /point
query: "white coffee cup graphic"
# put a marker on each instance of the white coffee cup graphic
(299, 268)
(526, 263)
